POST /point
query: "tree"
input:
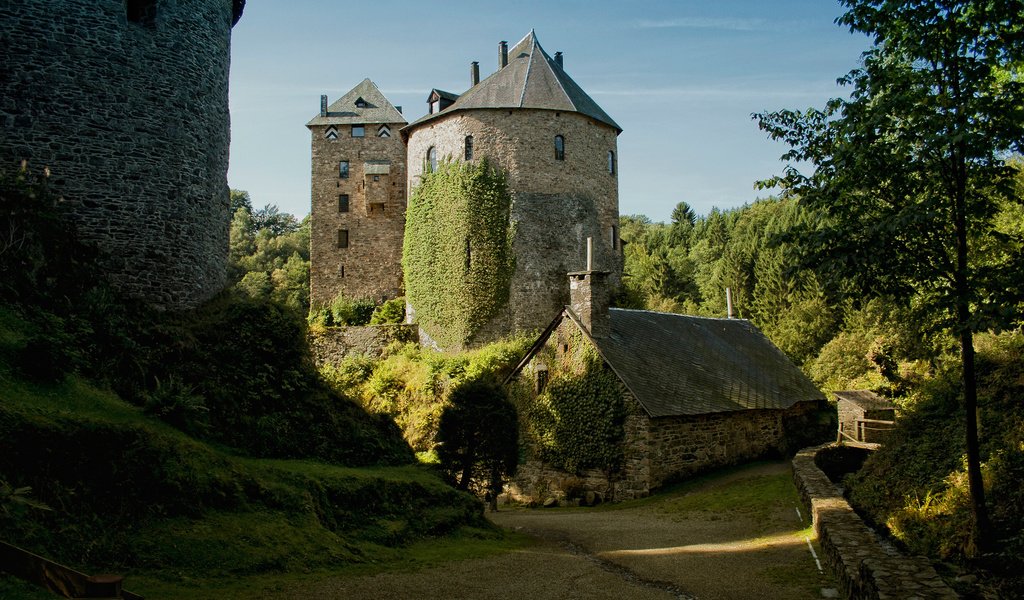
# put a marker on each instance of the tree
(478, 437)
(909, 171)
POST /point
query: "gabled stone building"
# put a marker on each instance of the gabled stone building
(358, 197)
(555, 145)
(698, 393)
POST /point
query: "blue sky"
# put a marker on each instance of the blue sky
(680, 77)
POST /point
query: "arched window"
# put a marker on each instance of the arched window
(469, 147)
(559, 147)
(611, 162)
(432, 159)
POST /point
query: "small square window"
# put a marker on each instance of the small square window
(376, 177)
(142, 12)
(358, 131)
(343, 203)
(343, 238)
(343, 169)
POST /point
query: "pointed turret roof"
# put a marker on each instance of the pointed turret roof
(531, 79)
(362, 104)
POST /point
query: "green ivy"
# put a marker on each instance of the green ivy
(577, 422)
(457, 254)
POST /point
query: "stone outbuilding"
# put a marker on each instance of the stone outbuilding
(864, 416)
(698, 393)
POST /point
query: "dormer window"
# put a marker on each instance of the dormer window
(384, 131)
(331, 133)
(358, 131)
(559, 147)
(435, 106)
(360, 103)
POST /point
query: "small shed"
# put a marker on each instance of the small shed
(864, 416)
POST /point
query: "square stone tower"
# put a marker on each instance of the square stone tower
(357, 217)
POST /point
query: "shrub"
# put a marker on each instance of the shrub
(391, 312)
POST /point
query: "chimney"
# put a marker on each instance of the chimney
(474, 73)
(398, 108)
(323, 105)
(558, 58)
(502, 54)
(589, 297)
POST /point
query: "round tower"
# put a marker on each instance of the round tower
(558, 150)
(126, 103)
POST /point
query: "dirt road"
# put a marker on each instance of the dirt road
(717, 541)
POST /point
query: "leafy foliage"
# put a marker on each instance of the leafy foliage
(390, 312)
(457, 253)
(478, 436)
(576, 422)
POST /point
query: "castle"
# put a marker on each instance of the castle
(554, 144)
(126, 103)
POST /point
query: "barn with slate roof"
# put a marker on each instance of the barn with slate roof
(699, 393)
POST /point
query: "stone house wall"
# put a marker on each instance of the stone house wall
(332, 344)
(556, 204)
(370, 267)
(131, 118)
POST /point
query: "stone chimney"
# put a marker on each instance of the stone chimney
(323, 105)
(474, 73)
(590, 296)
(502, 54)
(558, 58)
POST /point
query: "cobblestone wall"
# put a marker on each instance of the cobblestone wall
(129, 110)
(556, 204)
(331, 345)
(863, 569)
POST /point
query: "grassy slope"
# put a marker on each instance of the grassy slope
(131, 494)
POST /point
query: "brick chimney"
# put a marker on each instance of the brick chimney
(474, 73)
(502, 54)
(323, 105)
(590, 296)
(558, 58)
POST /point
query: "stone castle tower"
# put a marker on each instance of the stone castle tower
(126, 102)
(556, 146)
(358, 197)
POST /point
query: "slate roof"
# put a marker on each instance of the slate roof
(344, 111)
(684, 365)
(865, 399)
(531, 79)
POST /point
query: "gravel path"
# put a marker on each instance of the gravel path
(646, 550)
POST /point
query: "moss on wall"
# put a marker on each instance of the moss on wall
(457, 255)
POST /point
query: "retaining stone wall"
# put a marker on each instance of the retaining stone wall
(331, 345)
(132, 120)
(860, 566)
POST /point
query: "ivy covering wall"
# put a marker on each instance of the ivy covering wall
(576, 422)
(457, 255)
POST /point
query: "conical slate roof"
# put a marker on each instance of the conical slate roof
(531, 79)
(344, 111)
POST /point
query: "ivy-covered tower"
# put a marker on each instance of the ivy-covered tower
(358, 197)
(556, 149)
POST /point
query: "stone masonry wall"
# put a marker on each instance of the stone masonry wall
(863, 569)
(132, 120)
(371, 266)
(331, 345)
(556, 204)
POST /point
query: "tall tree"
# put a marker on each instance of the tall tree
(909, 169)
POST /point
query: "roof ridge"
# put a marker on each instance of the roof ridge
(529, 67)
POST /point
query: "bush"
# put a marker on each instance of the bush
(391, 312)
(478, 436)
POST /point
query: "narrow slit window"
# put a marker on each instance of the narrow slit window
(469, 255)
(542, 380)
(432, 159)
(615, 237)
(469, 147)
(343, 169)
(343, 238)
(142, 12)
(611, 162)
(343, 203)
(559, 147)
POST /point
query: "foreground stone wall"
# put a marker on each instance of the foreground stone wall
(861, 567)
(556, 204)
(332, 344)
(129, 112)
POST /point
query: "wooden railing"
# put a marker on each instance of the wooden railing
(59, 579)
